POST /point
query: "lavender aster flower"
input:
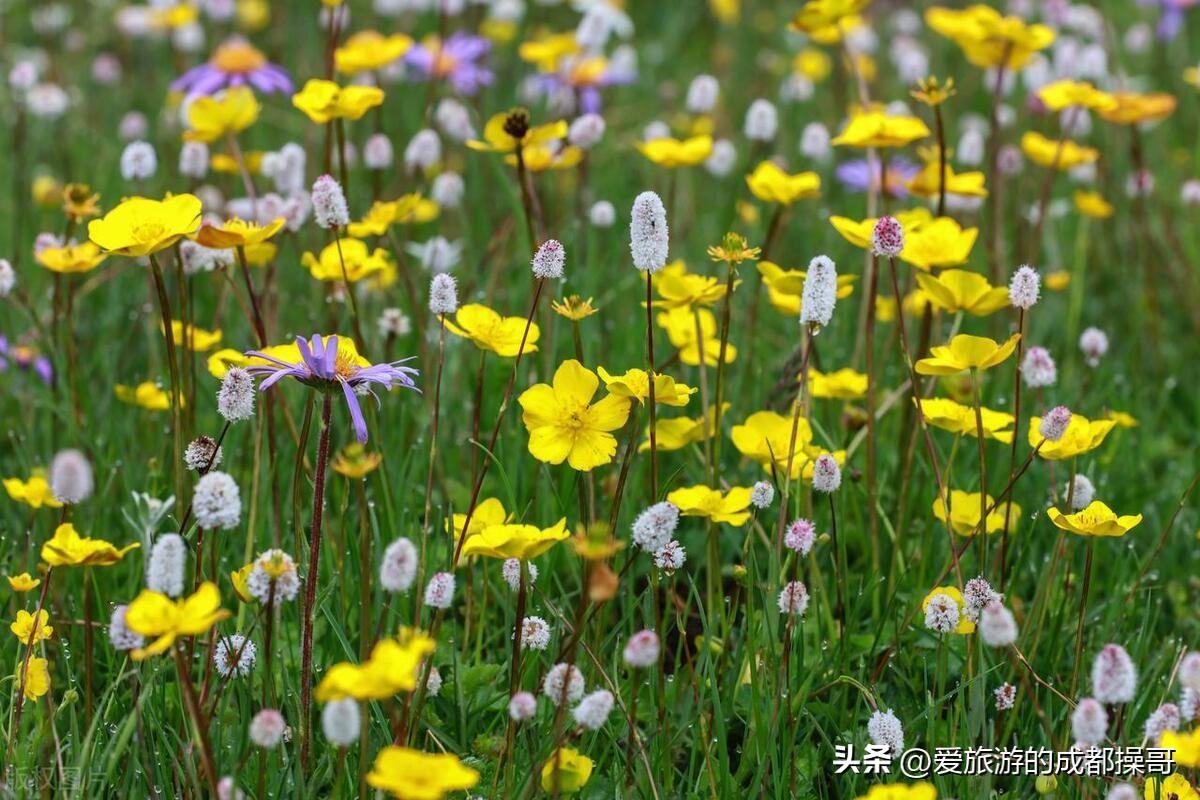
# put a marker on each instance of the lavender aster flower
(329, 363)
(235, 63)
(455, 60)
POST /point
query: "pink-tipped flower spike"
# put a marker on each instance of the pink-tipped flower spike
(329, 203)
(941, 613)
(1189, 671)
(267, 729)
(648, 233)
(762, 495)
(535, 633)
(997, 625)
(71, 478)
(166, 564)
(549, 260)
(671, 557)
(1024, 288)
(511, 572)
(1083, 494)
(341, 721)
(800, 536)
(443, 294)
(563, 682)
(120, 635)
(654, 527)
(1006, 696)
(1093, 343)
(1165, 718)
(1055, 423)
(217, 502)
(522, 706)
(702, 94)
(202, 454)
(1038, 368)
(887, 240)
(819, 295)
(827, 475)
(793, 599)
(1114, 678)
(762, 121)
(235, 399)
(1123, 791)
(642, 650)
(234, 656)
(593, 710)
(439, 592)
(977, 594)
(885, 730)
(378, 153)
(398, 569)
(1089, 722)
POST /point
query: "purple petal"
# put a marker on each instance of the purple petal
(356, 415)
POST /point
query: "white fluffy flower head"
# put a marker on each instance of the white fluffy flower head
(885, 729)
(819, 295)
(654, 527)
(549, 260)
(443, 294)
(398, 569)
(329, 203)
(1024, 288)
(217, 502)
(648, 233)
(165, 566)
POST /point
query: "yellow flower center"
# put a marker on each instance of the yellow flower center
(238, 57)
(444, 63)
(344, 365)
(150, 231)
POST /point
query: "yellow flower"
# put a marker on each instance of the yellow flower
(541, 157)
(676, 433)
(574, 769)
(771, 184)
(765, 436)
(965, 625)
(965, 510)
(353, 253)
(877, 129)
(147, 394)
(941, 242)
(680, 324)
(80, 202)
(45, 191)
(33, 492)
(818, 14)
(959, 290)
(354, 461)
(413, 775)
(595, 542)
(240, 578)
(573, 307)
(30, 629)
(564, 424)
(812, 63)
(490, 331)
(488, 513)
(635, 384)
(1175, 787)
(1095, 520)
(933, 92)
(1082, 436)
(1092, 204)
(515, 541)
(23, 582)
(227, 164)
(68, 549)
(901, 791)
(966, 352)
(733, 250)
(678, 288)
(785, 288)
(1056, 154)
(200, 340)
(391, 668)
(219, 362)
(370, 50)
(701, 501)
(941, 412)
(989, 39)
(71, 258)
(153, 614)
(545, 52)
(323, 100)
(1075, 94)
(860, 233)
(237, 232)
(1122, 419)
(1058, 280)
(844, 384)
(496, 139)
(1186, 747)
(220, 116)
(927, 182)
(672, 153)
(140, 226)
(409, 208)
(1131, 108)
(37, 679)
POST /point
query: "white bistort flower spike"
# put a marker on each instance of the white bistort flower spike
(648, 233)
(819, 295)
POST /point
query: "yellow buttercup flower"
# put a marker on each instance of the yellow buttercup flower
(989, 39)
(227, 164)
(1186, 747)
(1092, 204)
(681, 323)
(147, 394)
(488, 513)
(676, 433)
(765, 435)
(370, 50)
(771, 184)
(933, 92)
(574, 770)
(816, 15)
(928, 182)
(541, 157)
(223, 115)
(844, 384)
(23, 582)
(30, 629)
(859, 233)
(635, 384)
(1051, 154)
(410, 774)
(1057, 281)
(353, 461)
(565, 425)
(71, 258)
(33, 492)
(959, 290)
(812, 63)
(240, 578)
(785, 288)
(966, 352)
(1175, 787)
(80, 202)
(1095, 520)
(515, 541)
(409, 208)
(1122, 419)
(678, 288)
(157, 616)
(671, 153)
(237, 232)
(490, 331)
(1082, 436)
(140, 226)
(965, 510)
(965, 625)
(68, 549)
(498, 139)
(574, 307)
(346, 259)
(939, 243)
(900, 791)
(392, 667)
(547, 51)
(198, 339)
(701, 501)
(1132, 108)
(219, 362)
(1075, 94)
(322, 101)
(877, 129)
(37, 679)
(941, 412)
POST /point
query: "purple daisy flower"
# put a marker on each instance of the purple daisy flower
(24, 357)
(327, 363)
(454, 60)
(585, 77)
(1170, 20)
(859, 175)
(235, 63)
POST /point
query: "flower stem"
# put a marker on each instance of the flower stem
(310, 583)
(164, 307)
(650, 379)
